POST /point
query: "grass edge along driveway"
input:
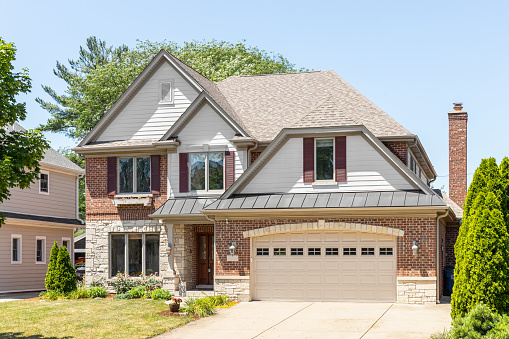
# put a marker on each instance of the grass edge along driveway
(86, 318)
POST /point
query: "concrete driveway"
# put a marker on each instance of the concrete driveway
(263, 319)
(18, 296)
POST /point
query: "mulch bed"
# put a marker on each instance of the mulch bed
(177, 314)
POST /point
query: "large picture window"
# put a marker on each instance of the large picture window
(134, 175)
(324, 159)
(136, 251)
(206, 171)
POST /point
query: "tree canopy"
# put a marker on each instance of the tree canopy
(20, 150)
(101, 74)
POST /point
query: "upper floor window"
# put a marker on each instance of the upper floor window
(324, 159)
(166, 92)
(206, 171)
(44, 182)
(134, 175)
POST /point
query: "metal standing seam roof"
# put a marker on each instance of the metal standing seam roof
(328, 200)
(180, 206)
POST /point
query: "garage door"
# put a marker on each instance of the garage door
(324, 266)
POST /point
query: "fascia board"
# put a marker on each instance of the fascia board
(60, 169)
(133, 88)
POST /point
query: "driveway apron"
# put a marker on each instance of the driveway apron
(318, 320)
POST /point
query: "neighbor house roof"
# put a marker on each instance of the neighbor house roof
(52, 157)
(68, 221)
(268, 103)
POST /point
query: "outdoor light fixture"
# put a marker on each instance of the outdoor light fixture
(168, 249)
(415, 247)
(232, 247)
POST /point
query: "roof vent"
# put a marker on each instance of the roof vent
(458, 106)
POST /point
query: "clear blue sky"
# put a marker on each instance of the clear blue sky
(412, 59)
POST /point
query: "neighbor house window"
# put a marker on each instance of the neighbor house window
(134, 175)
(44, 182)
(206, 171)
(166, 92)
(40, 249)
(136, 251)
(324, 159)
(67, 243)
(16, 248)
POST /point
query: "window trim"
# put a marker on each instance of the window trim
(206, 190)
(69, 249)
(46, 173)
(331, 181)
(126, 251)
(172, 92)
(43, 238)
(135, 183)
(20, 250)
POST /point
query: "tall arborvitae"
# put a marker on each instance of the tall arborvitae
(66, 280)
(504, 178)
(51, 273)
(486, 179)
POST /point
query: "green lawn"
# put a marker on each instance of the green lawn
(85, 318)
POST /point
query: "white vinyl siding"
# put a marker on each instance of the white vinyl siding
(61, 202)
(144, 117)
(312, 266)
(28, 275)
(205, 132)
(367, 170)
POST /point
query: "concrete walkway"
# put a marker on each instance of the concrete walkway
(18, 296)
(318, 320)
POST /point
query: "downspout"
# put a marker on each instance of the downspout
(438, 253)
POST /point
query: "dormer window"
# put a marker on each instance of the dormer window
(134, 175)
(166, 92)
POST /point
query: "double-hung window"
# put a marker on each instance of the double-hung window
(134, 175)
(139, 252)
(16, 248)
(324, 159)
(206, 171)
(44, 182)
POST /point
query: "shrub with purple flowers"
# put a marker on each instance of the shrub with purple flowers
(123, 283)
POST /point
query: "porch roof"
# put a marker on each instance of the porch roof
(328, 200)
(183, 206)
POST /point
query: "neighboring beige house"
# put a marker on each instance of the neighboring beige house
(36, 217)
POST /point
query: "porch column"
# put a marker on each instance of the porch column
(171, 256)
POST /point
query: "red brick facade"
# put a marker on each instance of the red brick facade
(254, 156)
(458, 156)
(399, 148)
(416, 228)
(100, 206)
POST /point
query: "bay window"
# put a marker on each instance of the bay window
(134, 175)
(206, 171)
(139, 252)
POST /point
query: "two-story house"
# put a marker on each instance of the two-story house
(36, 217)
(269, 187)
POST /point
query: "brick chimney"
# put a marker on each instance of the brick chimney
(458, 154)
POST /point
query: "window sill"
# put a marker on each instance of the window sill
(133, 195)
(325, 183)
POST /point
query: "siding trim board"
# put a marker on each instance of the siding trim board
(63, 221)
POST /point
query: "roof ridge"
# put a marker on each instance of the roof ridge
(270, 74)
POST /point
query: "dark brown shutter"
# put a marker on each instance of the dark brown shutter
(183, 172)
(112, 175)
(155, 174)
(340, 159)
(309, 159)
(229, 164)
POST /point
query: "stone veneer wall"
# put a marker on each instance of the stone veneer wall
(422, 229)
(97, 248)
(417, 290)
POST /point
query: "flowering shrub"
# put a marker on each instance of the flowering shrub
(123, 283)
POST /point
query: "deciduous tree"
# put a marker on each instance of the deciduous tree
(20, 150)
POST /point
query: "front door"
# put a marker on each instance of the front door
(205, 258)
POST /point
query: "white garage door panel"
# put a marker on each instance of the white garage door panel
(329, 274)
